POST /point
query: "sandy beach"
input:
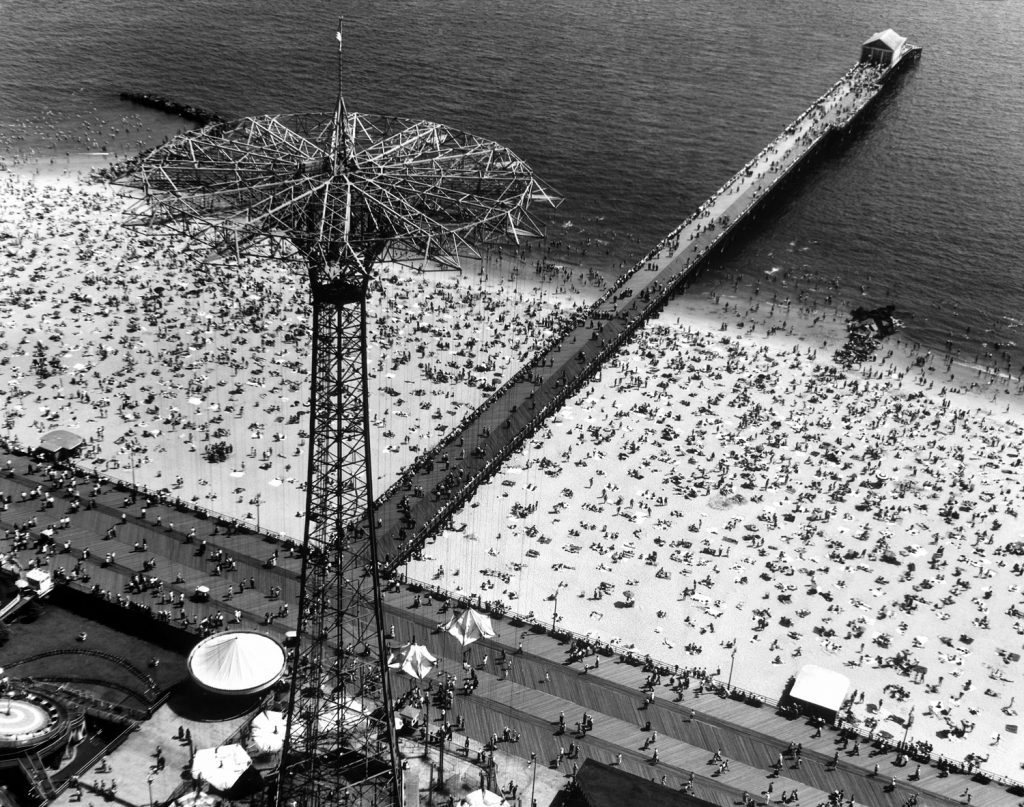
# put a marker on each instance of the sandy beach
(724, 487)
(157, 358)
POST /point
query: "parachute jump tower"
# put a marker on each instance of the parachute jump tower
(341, 194)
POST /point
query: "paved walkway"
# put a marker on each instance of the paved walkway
(133, 764)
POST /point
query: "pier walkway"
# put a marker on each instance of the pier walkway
(422, 501)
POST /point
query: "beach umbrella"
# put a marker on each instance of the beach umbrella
(412, 659)
(222, 766)
(266, 732)
(469, 626)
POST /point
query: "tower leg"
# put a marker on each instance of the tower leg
(340, 743)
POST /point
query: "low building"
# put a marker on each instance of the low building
(884, 48)
(819, 691)
(59, 444)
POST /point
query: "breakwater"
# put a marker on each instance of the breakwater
(172, 107)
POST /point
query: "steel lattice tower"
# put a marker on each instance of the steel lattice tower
(340, 193)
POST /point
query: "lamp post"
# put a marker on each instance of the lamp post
(533, 787)
(426, 730)
(732, 661)
(554, 616)
(906, 729)
(443, 741)
(257, 500)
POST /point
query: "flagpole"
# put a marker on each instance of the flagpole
(340, 134)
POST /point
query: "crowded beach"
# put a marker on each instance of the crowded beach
(190, 375)
(726, 495)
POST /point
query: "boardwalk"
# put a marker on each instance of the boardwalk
(440, 483)
(527, 698)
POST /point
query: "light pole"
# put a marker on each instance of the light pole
(554, 616)
(909, 723)
(533, 787)
(426, 731)
(443, 741)
(732, 661)
(257, 500)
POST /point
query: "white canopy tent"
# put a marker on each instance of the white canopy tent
(820, 687)
(469, 626)
(222, 766)
(352, 718)
(482, 798)
(412, 659)
(237, 662)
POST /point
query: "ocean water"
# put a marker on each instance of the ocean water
(633, 110)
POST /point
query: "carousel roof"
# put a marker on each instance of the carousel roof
(237, 663)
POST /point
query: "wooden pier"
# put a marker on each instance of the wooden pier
(417, 506)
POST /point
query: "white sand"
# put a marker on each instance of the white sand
(698, 441)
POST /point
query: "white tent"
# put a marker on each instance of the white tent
(820, 687)
(351, 718)
(412, 659)
(470, 626)
(482, 798)
(222, 766)
(237, 662)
